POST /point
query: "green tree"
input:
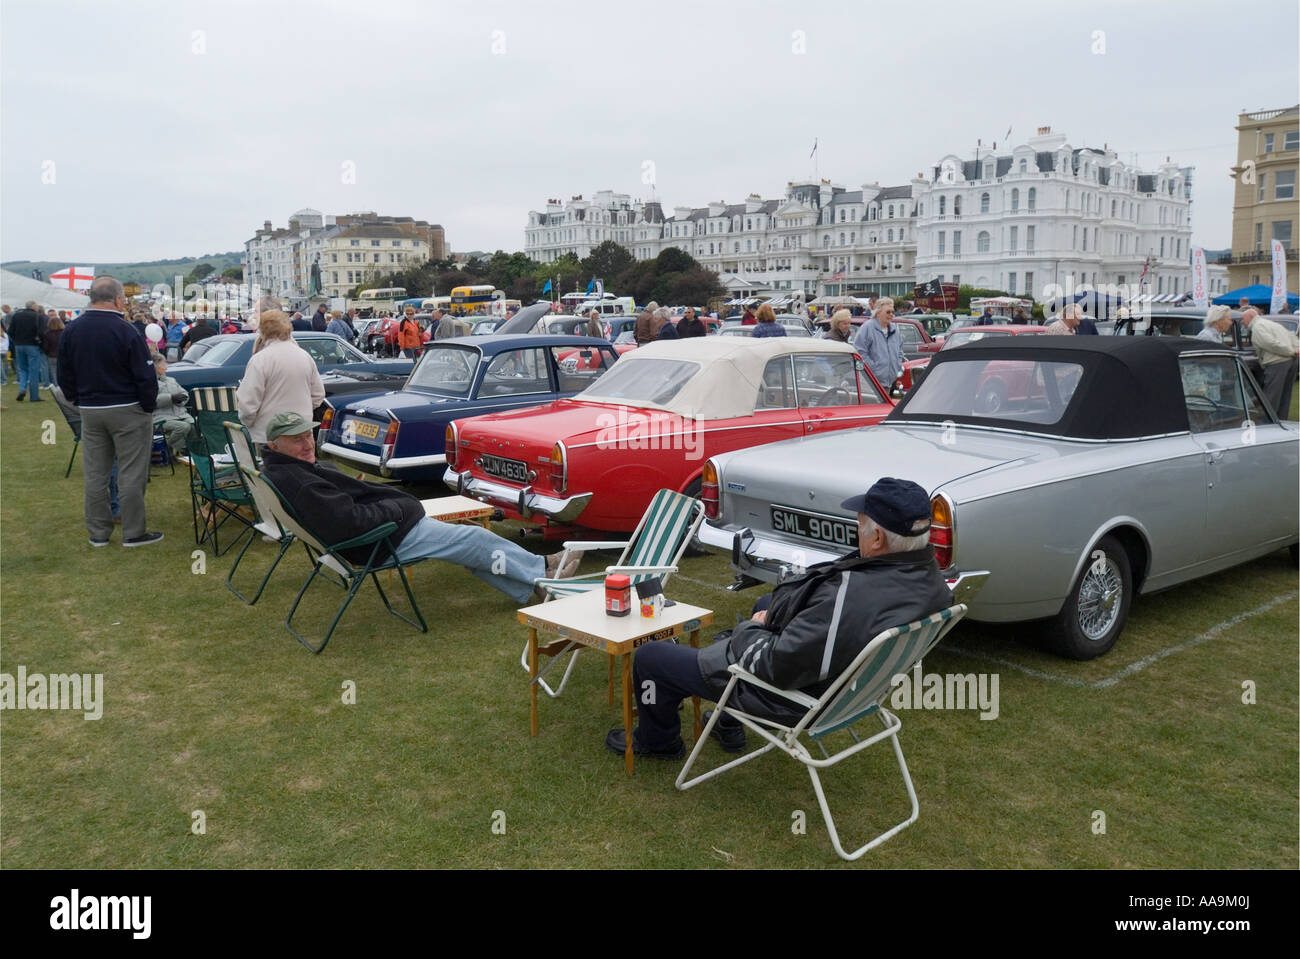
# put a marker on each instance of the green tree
(607, 261)
(694, 287)
(201, 270)
(234, 273)
(673, 260)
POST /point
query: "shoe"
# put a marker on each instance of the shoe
(616, 742)
(731, 740)
(22, 396)
(568, 569)
(146, 540)
(98, 542)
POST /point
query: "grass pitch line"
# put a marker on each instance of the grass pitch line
(1132, 668)
(700, 582)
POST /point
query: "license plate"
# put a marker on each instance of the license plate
(365, 431)
(815, 526)
(512, 470)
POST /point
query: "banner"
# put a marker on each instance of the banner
(73, 278)
(1279, 278)
(1200, 282)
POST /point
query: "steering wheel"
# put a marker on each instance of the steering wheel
(837, 396)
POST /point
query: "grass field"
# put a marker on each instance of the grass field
(211, 706)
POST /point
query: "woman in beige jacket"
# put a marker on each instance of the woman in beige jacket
(281, 377)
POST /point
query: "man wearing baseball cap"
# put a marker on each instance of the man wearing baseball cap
(808, 633)
(336, 507)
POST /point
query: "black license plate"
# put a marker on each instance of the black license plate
(512, 470)
(824, 529)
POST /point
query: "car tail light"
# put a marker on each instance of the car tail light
(943, 533)
(709, 490)
(449, 445)
(559, 469)
(390, 442)
(327, 420)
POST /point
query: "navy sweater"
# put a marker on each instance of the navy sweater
(104, 362)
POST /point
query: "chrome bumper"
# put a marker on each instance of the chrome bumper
(372, 464)
(768, 560)
(521, 499)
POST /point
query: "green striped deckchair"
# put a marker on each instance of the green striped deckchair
(215, 487)
(654, 549)
(858, 692)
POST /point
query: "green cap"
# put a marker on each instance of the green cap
(288, 424)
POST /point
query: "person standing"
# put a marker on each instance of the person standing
(104, 369)
(25, 332)
(986, 318)
(766, 324)
(880, 346)
(281, 377)
(645, 330)
(594, 327)
(1278, 350)
(50, 345)
(299, 324)
(340, 327)
(319, 319)
(689, 325)
(1218, 319)
(409, 335)
(841, 330)
(199, 331)
(1067, 325)
(748, 318)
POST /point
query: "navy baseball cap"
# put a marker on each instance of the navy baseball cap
(893, 504)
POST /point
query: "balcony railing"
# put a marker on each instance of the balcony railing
(1255, 256)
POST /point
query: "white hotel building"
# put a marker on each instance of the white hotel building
(1044, 213)
(1047, 213)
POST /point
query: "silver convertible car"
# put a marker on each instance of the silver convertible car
(1076, 471)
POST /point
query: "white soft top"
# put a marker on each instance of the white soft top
(730, 371)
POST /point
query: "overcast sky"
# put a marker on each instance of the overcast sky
(135, 131)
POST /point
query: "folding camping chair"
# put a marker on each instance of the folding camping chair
(216, 491)
(241, 445)
(72, 414)
(329, 560)
(654, 549)
(859, 691)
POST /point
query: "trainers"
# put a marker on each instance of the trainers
(145, 540)
(22, 396)
(98, 542)
(730, 738)
(616, 742)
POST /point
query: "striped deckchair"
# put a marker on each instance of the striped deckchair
(858, 692)
(216, 493)
(241, 445)
(666, 529)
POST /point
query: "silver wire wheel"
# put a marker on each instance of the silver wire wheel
(1096, 608)
(1101, 596)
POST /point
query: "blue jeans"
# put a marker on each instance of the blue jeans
(498, 562)
(31, 368)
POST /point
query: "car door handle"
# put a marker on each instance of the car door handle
(1214, 455)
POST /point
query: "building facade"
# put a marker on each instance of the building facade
(1045, 218)
(345, 250)
(1264, 205)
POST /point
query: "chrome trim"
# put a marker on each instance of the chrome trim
(912, 424)
(952, 529)
(524, 501)
(343, 453)
(405, 462)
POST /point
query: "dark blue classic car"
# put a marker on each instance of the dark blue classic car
(221, 360)
(400, 435)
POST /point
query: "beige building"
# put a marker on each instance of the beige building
(1264, 207)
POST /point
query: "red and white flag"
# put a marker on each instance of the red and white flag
(73, 278)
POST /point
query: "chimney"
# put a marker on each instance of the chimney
(266, 225)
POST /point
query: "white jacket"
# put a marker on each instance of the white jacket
(281, 377)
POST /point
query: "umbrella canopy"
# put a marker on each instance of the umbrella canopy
(1257, 293)
(16, 290)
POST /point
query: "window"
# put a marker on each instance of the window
(1085, 239)
(1162, 246)
(374, 243)
(1263, 182)
(984, 203)
(942, 203)
(982, 241)
(1015, 200)
(356, 242)
(376, 257)
(891, 210)
(1011, 283)
(1179, 253)
(1291, 140)
(1023, 166)
(830, 380)
(516, 372)
(324, 351)
(1284, 185)
(1033, 193)
(842, 213)
(1015, 234)
(1213, 394)
(1029, 245)
(336, 277)
(956, 206)
(776, 392)
(956, 242)
(1282, 232)
(889, 237)
(1268, 143)
(397, 243)
(941, 239)
(334, 257)
(1074, 238)
(1029, 282)
(1112, 208)
(842, 238)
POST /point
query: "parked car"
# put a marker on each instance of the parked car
(399, 435)
(595, 461)
(1117, 466)
(220, 361)
(1188, 321)
(914, 369)
(737, 329)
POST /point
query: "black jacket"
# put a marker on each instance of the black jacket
(199, 331)
(103, 361)
(26, 328)
(336, 507)
(686, 328)
(860, 597)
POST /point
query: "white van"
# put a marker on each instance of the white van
(615, 306)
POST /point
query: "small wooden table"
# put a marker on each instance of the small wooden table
(457, 509)
(581, 619)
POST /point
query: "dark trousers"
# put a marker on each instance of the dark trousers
(1278, 380)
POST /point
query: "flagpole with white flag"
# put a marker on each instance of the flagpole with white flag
(1200, 293)
(1278, 300)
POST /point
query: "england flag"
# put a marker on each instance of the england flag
(73, 278)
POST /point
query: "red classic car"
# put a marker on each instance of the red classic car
(651, 422)
(955, 338)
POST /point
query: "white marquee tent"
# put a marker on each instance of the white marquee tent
(16, 290)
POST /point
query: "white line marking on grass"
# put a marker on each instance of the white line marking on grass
(1133, 668)
(700, 582)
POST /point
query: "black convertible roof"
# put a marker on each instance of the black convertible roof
(1131, 386)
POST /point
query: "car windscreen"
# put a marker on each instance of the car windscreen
(218, 354)
(643, 381)
(970, 336)
(1029, 391)
(445, 369)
